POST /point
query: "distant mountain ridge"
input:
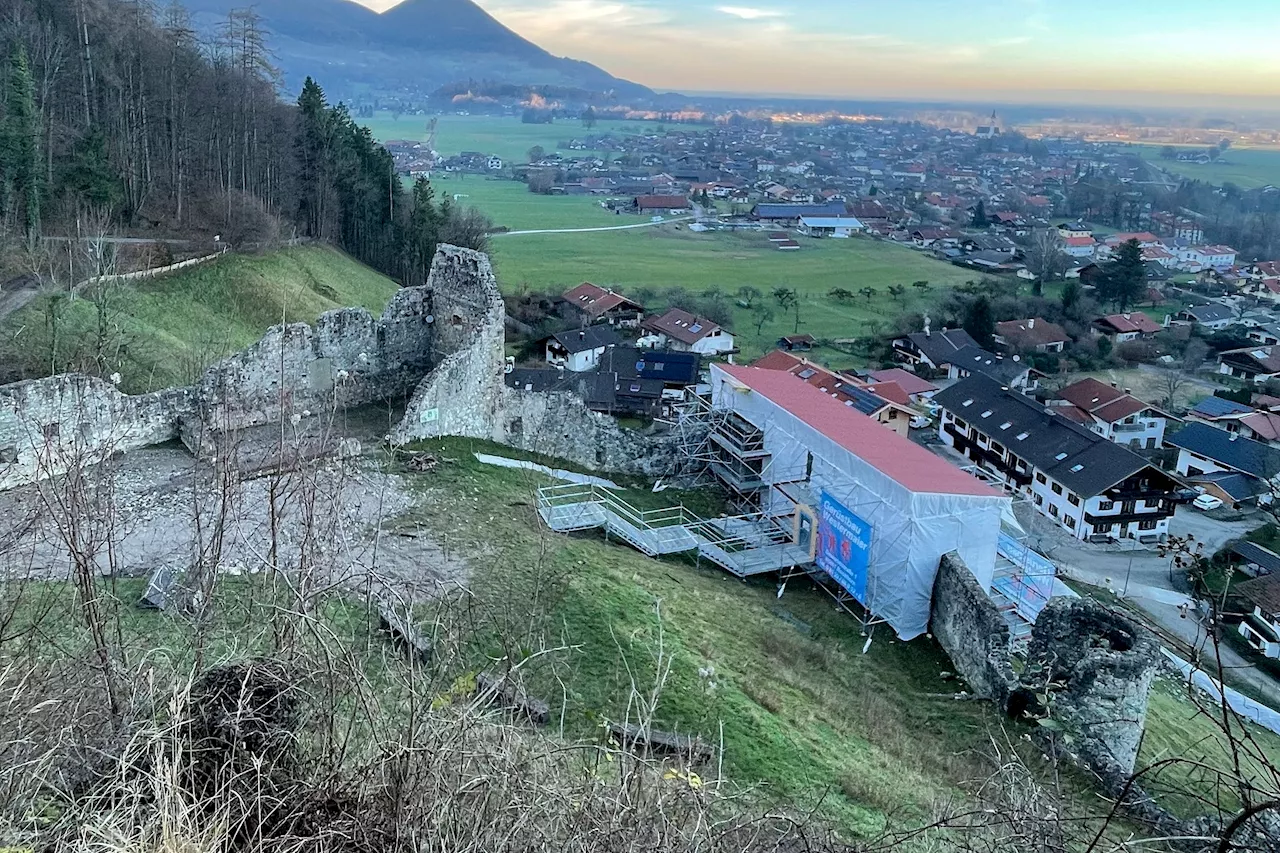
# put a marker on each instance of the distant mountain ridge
(416, 46)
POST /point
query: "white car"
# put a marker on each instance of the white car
(921, 422)
(1207, 502)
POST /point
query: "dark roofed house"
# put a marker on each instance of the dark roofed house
(1090, 486)
(579, 350)
(1261, 628)
(932, 349)
(1010, 372)
(790, 213)
(676, 371)
(1033, 334)
(1252, 364)
(1214, 316)
(1203, 449)
(1224, 413)
(1126, 327)
(593, 304)
(1257, 560)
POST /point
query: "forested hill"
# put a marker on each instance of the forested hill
(117, 116)
(418, 45)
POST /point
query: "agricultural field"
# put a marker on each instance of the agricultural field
(164, 331)
(505, 136)
(510, 204)
(1247, 168)
(671, 256)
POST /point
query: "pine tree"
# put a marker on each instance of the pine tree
(20, 159)
(980, 322)
(980, 215)
(313, 153)
(1124, 277)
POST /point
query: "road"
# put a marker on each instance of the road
(593, 230)
(1145, 580)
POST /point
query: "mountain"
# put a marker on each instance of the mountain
(415, 47)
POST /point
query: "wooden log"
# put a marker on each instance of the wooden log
(657, 742)
(402, 633)
(511, 696)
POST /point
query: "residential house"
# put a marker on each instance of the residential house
(1213, 316)
(1263, 427)
(790, 214)
(932, 350)
(1126, 327)
(592, 304)
(681, 331)
(937, 238)
(830, 226)
(1010, 372)
(896, 415)
(1114, 414)
(1197, 258)
(919, 390)
(1032, 335)
(1204, 451)
(674, 372)
(1220, 412)
(797, 343)
(1145, 239)
(1079, 247)
(579, 350)
(1068, 230)
(1254, 364)
(660, 204)
(1267, 334)
(1088, 485)
(1261, 626)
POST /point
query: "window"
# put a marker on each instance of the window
(1071, 522)
(1057, 489)
(1041, 479)
(1151, 503)
(1073, 500)
(1146, 525)
(1106, 506)
(1039, 500)
(1060, 457)
(1053, 510)
(1101, 529)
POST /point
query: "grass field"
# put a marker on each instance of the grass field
(510, 204)
(658, 258)
(1247, 168)
(507, 137)
(169, 328)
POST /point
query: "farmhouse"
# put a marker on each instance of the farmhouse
(790, 214)
(1253, 364)
(681, 331)
(1032, 335)
(1126, 327)
(660, 203)
(1087, 484)
(592, 304)
(1113, 414)
(876, 511)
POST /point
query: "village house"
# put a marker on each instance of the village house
(657, 204)
(1213, 316)
(1126, 327)
(1225, 465)
(896, 415)
(1254, 364)
(1088, 485)
(829, 226)
(592, 304)
(1197, 258)
(681, 331)
(579, 351)
(918, 389)
(932, 350)
(1220, 412)
(1079, 247)
(1032, 335)
(1010, 372)
(1261, 626)
(1114, 414)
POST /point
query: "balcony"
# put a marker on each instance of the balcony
(1140, 426)
(1164, 511)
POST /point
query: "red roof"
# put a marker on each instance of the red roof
(908, 381)
(906, 462)
(661, 202)
(1135, 322)
(1080, 241)
(595, 301)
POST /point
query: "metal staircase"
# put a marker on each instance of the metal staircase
(1021, 586)
(743, 546)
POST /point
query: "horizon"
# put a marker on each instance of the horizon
(1108, 51)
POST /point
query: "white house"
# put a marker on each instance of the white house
(1114, 414)
(1261, 628)
(829, 226)
(1197, 258)
(1079, 247)
(495, 164)
(681, 331)
(579, 351)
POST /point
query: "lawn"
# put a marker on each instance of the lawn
(505, 136)
(168, 329)
(510, 204)
(664, 257)
(1247, 168)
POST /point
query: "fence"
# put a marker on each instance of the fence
(151, 273)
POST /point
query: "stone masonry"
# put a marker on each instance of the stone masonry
(971, 630)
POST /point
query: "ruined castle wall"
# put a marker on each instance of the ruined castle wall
(972, 631)
(48, 426)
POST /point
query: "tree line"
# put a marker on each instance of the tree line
(118, 110)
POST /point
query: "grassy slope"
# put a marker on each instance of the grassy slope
(175, 325)
(664, 257)
(1247, 168)
(507, 137)
(510, 204)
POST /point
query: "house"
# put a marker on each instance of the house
(932, 350)
(1220, 412)
(1126, 327)
(1254, 364)
(1203, 449)
(1262, 427)
(675, 372)
(1079, 247)
(1074, 230)
(1113, 414)
(1267, 334)
(1145, 239)
(1088, 485)
(1213, 316)
(873, 510)
(1197, 258)
(1010, 372)
(591, 304)
(681, 331)
(660, 203)
(1034, 334)
(790, 214)
(580, 350)
(1261, 627)
(917, 389)
(1255, 561)
(796, 343)
(895, 414)
(830, 226)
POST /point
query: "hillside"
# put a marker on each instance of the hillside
(164, 331)
(418, 45)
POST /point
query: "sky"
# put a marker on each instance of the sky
(1200, 53)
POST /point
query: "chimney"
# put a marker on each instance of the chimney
(1114, 385)
(1127, 315)
(1129, 391)
(582, 334)
(1031, 324)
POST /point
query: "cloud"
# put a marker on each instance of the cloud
(748, 13)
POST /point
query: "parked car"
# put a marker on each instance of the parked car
(921, 422)
(1207, 502)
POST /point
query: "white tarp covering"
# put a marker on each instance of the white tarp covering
(910, 531)
(557, 473)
